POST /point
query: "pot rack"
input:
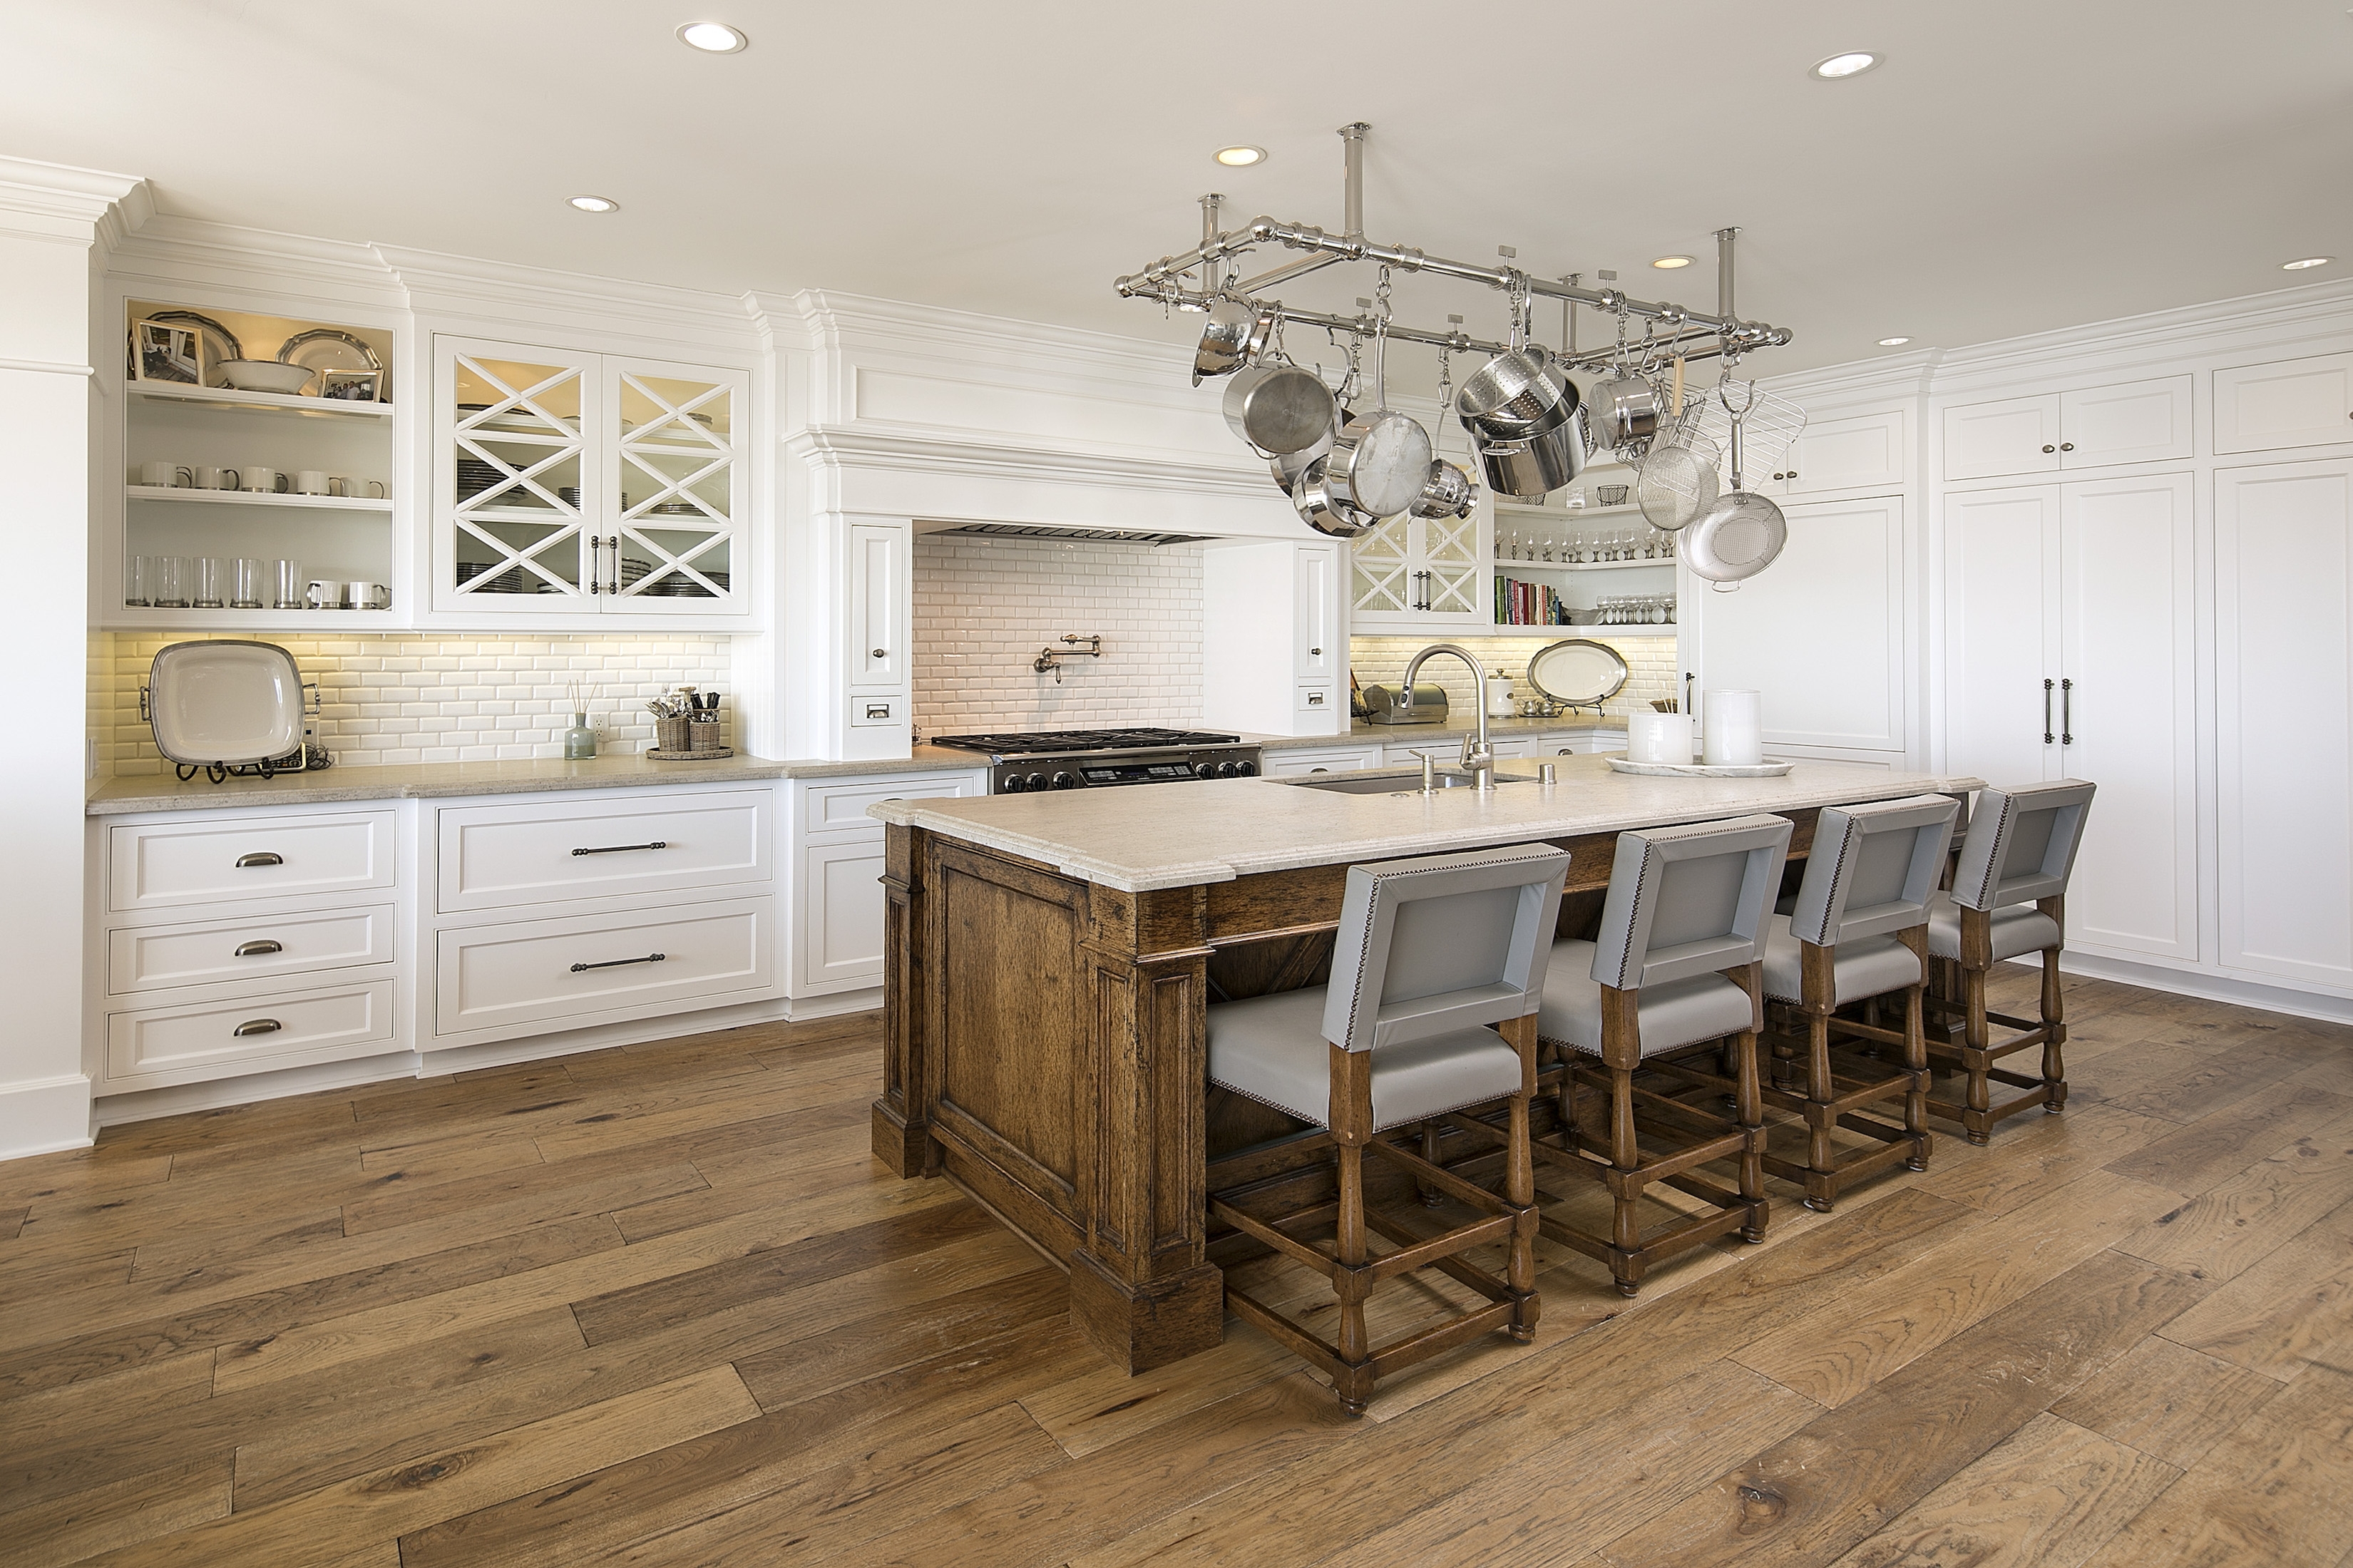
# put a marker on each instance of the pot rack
(1192, 281)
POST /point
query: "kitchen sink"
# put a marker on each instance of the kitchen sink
(1394, 784)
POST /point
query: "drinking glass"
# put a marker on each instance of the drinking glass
(247, 582)
(287, 586)
(212, 583)
(171, 585)
(141, 591)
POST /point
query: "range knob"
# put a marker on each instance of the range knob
(1205, 770)
(1015, 783)
(1229, 770)
(1246, 767)
(1064, 780)
(1034, 782)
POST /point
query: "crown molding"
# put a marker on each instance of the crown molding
(179, 250)
(59, 202)
(840, 446)
(833, 318)
(437, 282)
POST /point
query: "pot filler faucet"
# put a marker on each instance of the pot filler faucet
(1479, 762)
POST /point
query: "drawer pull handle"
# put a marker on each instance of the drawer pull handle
(624, 849)
(259, 949)
(617, 963)
(260, 858)
(257, 1027)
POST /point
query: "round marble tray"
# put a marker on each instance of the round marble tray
(1701, 770)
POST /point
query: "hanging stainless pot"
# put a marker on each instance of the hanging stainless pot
(1237, 333)
(1289, 467)
(1520, 392)
(1322, 510)
(1743, 532)
(1379, 463)
(1533, 468)
(1451, 491)
(1624, 409)
(1279, 408)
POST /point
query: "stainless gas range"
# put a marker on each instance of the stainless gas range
(1096, 759)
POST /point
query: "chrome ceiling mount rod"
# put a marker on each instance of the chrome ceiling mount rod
(1163, 280)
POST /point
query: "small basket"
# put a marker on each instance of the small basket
(676, 739)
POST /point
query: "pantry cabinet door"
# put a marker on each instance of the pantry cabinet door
(515, 485)
(2284, 707)
(2012, 436)
(878, 605)
(2002, 633)
(2128, 710)
(1866, 452)
(2138, 422)
(2289, 403)
(1821, 633)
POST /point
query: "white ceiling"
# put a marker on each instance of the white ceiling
(2015, 165)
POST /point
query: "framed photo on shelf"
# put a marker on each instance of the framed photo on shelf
(170, 352)
(352, 386)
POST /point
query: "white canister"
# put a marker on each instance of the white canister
(1498, 697)
(1730, 732)
(1657, 737)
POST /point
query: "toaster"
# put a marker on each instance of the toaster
(1425, 704)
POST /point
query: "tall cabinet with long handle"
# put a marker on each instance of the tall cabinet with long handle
(2070, 649)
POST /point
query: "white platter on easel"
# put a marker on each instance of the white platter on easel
(1702, 770)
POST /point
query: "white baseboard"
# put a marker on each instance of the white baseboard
(176, 1099)
(603, 1037)
(2296, 1004)
(835, 1005)
(44, 1115)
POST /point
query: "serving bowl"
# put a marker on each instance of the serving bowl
(265, 376)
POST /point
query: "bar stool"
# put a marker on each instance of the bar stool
(1682, 939)
(1431, 952)
(1859, 931)
(2020, 849)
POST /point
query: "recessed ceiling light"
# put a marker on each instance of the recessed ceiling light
(1669, 263)
(712, 38)
(596, 204)
(2307, 261)
(1893, 342)
(1853, 63)
(1240, 157)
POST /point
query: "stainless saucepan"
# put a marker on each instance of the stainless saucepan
(1451, 491)
(1322, 509)
(1532, 468)
(1237, 334)
(1624, 409)
(1379, 463)
(1279, 408)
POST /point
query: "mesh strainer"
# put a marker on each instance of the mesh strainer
(1677, 479)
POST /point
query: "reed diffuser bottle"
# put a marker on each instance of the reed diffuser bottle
(580, 741)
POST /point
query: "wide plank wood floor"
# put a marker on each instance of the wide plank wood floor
(657, 1306)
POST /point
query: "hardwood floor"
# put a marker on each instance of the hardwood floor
(658, 1306)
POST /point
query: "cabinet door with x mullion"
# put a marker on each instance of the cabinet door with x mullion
(677, 482)
(516, 485)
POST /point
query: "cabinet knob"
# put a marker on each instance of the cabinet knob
(1316, 652)
(1793, 473)
(2050, 448)
(2066, 445)
(877, 653)
(1781, 475)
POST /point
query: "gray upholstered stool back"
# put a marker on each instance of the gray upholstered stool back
(1689, 901)
(2021, 844)
(1873, 868)
(1442, 942)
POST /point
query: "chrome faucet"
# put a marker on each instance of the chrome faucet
(1479, 763)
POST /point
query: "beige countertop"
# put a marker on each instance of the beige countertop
(162, 792)
(1182, 835)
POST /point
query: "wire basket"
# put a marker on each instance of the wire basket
(1768, 428)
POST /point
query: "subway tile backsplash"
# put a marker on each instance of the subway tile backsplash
(984, 606)
(1651, 671)
(416, 698)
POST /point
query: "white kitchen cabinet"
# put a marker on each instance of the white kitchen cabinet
(533, 976)
(2284, 709)
(839, 910)
(208, 859)
(2078, 601)
(1866, 451)
(2099, 426)
(538, 852)
(1317, 655)
(247, 948)
(190, 1042)
(1822, 633)
(2287, 403)
(878, 607)
(1412, 573)
(1273, 655)
(1321, 760)
(568, 483)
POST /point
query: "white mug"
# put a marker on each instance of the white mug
(269, 481)
(372, 489)
(166, 476)
(321, 595)
(311, 482)
(215, 478)
(366, 596)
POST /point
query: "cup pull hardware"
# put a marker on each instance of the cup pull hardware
(255, 1027)
(260, 858)
(623, 848)
(2046, 710)
(2067, 712)
(617, 962)
(259, 949)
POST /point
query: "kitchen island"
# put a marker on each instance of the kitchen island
(1051, 959)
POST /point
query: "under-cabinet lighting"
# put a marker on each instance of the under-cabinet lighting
(2300, 264)
(1893, 342)
(1853, 63)
(1240, 157)
(596, 203)
(712, 38)
(1669, 263)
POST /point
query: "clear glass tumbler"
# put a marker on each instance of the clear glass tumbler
(248, 582)
(139, 588)
(212, 583)
(173, 577)
(287, 585)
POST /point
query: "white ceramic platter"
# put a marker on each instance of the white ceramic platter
(228, 702)
(1701, 770)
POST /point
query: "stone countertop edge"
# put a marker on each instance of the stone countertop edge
(426, 781)
(1341, 841)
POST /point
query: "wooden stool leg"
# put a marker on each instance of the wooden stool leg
(1626, 1230)
(1520, 1191)
(1355, 1386)
(1915, 1062)
(2054, 1070)
(1751, 1123)
(1430, 1196)
(1977, 1122)
(1821, 1088)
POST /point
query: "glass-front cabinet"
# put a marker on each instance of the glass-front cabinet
(1413, 573)
(574, 483)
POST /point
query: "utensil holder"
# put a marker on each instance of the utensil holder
(688, 735)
